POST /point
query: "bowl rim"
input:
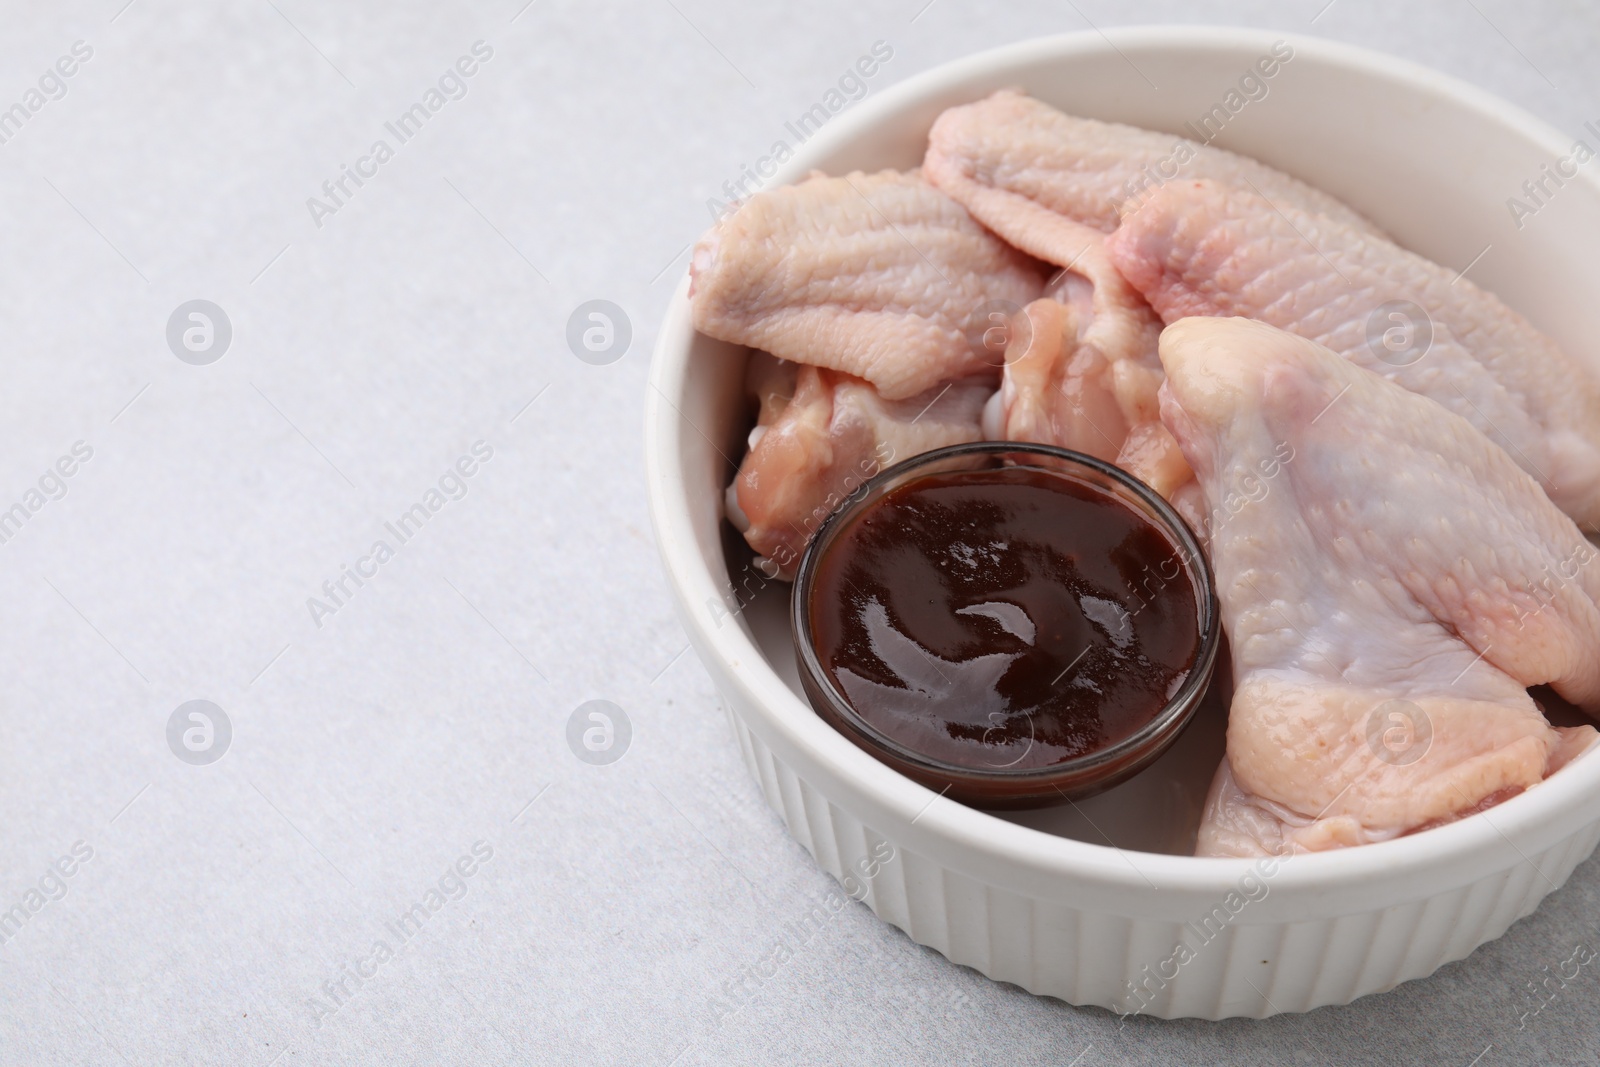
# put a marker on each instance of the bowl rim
(1146, 742)
(1540, 816)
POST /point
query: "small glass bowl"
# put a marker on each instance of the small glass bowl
(1002, 788)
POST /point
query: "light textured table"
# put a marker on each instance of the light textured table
(627, 913)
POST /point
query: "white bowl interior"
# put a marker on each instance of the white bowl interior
(1429, 159)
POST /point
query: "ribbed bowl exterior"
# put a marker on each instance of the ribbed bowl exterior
(1092, 957)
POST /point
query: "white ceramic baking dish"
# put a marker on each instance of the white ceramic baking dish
(1091, 903)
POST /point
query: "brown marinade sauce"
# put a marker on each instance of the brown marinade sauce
(1012, 617)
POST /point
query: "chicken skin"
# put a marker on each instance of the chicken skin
(1081, 372)
(1391, 583)
(820, 434)
(879, 276)
(1028, 172)
(1201, 248)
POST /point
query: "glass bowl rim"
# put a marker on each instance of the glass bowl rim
(1161, 729)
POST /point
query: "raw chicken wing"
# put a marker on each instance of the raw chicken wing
(880, 276)
(1082, 372)
(820, 435)
(1391, 583)
(1028, 171)
(1200, 248)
